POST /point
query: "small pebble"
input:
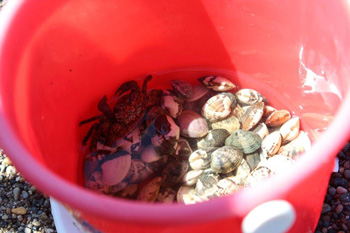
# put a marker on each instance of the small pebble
(341, 190)
(331, 191)
(27, 230)
(19, 211)
(16, 192)
(4, 217)
(345, 198)
(25, 195)
(326, 208)
(339, 181)
(347, 174)
(346, 165)
(339, 208)
(36, 223)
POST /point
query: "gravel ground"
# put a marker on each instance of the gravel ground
(24, 209)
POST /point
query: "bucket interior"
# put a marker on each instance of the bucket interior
(63, 59)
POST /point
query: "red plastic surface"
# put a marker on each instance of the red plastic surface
(57, 58)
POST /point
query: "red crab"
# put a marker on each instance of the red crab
(128, 113)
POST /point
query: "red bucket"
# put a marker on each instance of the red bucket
(59, 57)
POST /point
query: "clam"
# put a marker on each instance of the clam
(206, 184)
(257, 176)
(218, 107)
(253, 159)
(268, 110)
(182, 88)
(149, 155)
(183, 149)
(230, 123)
(115, 170)
(300, 144)
(214, 138)
(262, 130)
(187, 195)
(242, 171)
(138, 172)
(272, 143)
(191, 177)
(246, 141)
(200, 159)
(217, 83)
(192, 124)
(252, 116)
(171, 103)
(226, 187)
(173, 172)
(150, 191)
(249, 97)
(238, 112)
(166, 135)
(166, 195)
(198, 91)
(290, 129)
(226, 159)
(131, 143)
(277, 118)
(279, 163)
(95, 183)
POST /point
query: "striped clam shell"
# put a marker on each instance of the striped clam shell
(272, 143)
(252, 116)
(246, 141)
(217, 83)
(226, 159)
(290, 129)
(230, 123)
(277, 118)
(249, 97)
(218, 107)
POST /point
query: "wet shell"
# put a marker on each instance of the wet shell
(138, 172)
(182, 88)
(246, 141)
(118, 187)
(131, 143)
(226, 159)
(192, 124)
(214, 138)
(206, 184)
(200, 159)
(183, 149)
(253, 160)
(166, 195)
(226, 187)
(268, 110)
(300, 144)
(290, 129)
(173, 172)
(249, 97)
(242, 171)
(262, 130)
(115, 170)
(149, 155)
(257, 176)
(238, 112)
(171, 104)
(252, 116)
(279, 163)
(198, 91)
(166, 135)
(278, 118)
(230, 124)
(153, 113)
(150, 191)
(191, 177)
(272, 143)
(218, 107)
(217, 83)
(187, 195)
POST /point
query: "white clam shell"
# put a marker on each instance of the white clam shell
(227, 186)
(149, 192)
(217, 107)
(252, 116)
(200, 159)
(230, 123)
(198, 91)
(115, 170)
(300, 144)
(249, 96)
(217, 83)
(272, 143)
(279, 163)
(261, 130)
(290, 129)
(187, 195)
(191, 177)
(192, 124)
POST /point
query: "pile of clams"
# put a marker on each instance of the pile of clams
(190, 143)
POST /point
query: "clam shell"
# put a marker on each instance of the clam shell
(182, 88)
(249, 97)
(226, 159)
(257, 176)
(187, 195)
(150, 191)
(262, 130)
(300, 144)
(167, 134)
(277, 118)
(226, 187)
(198, 91)
(166, 195)
(118, 187)
(290, 129)
(173, 172)
(238, 112)
(230, 123)
(217, 83)
(246, 141)
(191, 177)
(131, 143)
(206, 184)
(115, 170)
(214, 138)
(149, 155)
(268, 110)
(183, 149)
(200, 159)
(138, 172)
(218, 107)
(253, 160)
(252, 116)
(242, 171)
(272, 143)
(279, 163)
(171, 104)
(192, 124)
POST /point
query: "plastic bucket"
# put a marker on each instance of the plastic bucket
(59, 57)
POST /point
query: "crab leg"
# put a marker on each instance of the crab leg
(105, 109)
(127, 86)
